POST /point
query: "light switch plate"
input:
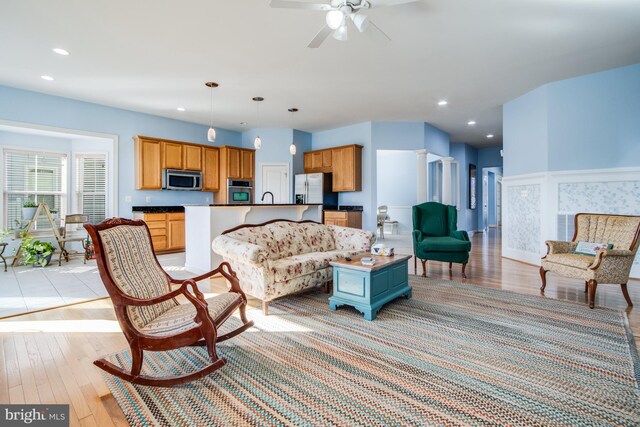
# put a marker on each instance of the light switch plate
(148, 199)
(127, 199)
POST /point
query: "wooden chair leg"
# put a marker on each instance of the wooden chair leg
(265, 308)
(464, 266)
(623, 286)
(592, 293)
(543, 276)
(136, 360)
(424, 267)
(415, 265)
(586, 286)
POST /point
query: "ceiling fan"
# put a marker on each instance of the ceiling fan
(339, 13)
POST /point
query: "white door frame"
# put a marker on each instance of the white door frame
(290, 177)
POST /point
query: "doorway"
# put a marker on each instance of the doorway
(275, 179)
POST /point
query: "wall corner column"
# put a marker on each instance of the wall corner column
(423, 177)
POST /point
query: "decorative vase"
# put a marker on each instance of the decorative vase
(28, 213)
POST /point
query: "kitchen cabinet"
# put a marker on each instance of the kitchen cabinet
(172, 155)
(235, 163)
(327, 160)
(351, 219)
(346, 165)
(166, 229)
(317, 161)
(247, 161)
(192, 157)
(148, 160)
(234, 167)
(210, 169)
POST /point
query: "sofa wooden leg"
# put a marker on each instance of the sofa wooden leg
(424, 267)
(450, 265)
(543, 276)
(464, 267)
(592, 293)
(265, 308)
(623, 286)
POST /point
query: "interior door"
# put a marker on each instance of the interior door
(275, 178)
(498, 200)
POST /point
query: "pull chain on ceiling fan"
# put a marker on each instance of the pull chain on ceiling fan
(339, 13)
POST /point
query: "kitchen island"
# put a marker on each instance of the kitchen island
(204, 223)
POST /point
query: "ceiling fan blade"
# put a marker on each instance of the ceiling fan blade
(320, 37)
(375, 32)
(288, 4)
(388, 3)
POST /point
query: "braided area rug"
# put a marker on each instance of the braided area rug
(455, 354)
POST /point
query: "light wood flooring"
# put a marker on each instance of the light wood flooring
(46, 357)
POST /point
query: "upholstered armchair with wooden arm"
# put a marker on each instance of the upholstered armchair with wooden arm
(435, 236)
(607, 265)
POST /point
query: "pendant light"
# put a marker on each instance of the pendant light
(257, 143)
(292, 147)
(211, 134)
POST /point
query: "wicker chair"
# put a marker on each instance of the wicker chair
(146, 308)
(608, 265)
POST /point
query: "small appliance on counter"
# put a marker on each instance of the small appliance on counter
(239, 192)
(314, 188)
(174, 179)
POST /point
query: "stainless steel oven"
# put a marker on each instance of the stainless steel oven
(239, 192)
(173, 179)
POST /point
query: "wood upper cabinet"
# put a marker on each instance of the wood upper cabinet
(327, 160)
(347, 168)
(148, 153)
(172, 155)
(210, 169)
(317, 161)
(192, 156)
(234, 167)
(247, 161)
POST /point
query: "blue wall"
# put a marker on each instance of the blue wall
(466, 154)
(436, 141)
(586, 122)
(30, 107)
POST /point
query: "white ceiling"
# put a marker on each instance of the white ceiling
(153, 56)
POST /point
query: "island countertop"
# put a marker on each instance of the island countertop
(266, 205)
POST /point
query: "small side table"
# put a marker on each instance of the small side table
(3, 246)
(368, 288)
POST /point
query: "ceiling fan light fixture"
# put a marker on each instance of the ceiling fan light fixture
(360, 21)
(335, 19)
(341, 33)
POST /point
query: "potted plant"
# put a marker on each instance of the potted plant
(29, 209)
(37, 252)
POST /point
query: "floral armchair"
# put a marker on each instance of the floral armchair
(607, 265)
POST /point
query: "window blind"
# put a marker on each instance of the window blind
(91, 186)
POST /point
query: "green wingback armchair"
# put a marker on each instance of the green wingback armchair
(435, 236)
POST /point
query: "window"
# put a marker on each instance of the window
(36, 176)
(91, 186)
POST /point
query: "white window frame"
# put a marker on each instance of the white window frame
(64, 193)
(75, 202)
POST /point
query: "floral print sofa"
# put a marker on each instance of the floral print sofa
(282, 257)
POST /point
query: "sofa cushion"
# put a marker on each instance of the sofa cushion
(444, 244)
(319, 238)
(571, 260)
(261, 236)
(289, 238)
(299, 265)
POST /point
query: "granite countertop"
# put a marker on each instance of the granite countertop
(268, 204)
(157, 209)
(344, 208)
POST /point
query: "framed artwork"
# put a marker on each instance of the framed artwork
(473, 179)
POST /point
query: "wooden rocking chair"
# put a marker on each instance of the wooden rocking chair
(149, 315)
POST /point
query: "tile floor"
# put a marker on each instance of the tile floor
(24, 289)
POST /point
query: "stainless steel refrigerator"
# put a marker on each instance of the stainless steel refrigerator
(311, 188)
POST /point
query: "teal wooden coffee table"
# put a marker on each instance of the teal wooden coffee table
(368, 288)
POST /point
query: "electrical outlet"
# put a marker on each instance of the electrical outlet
(148, 199)
(208, 199)
(127, 199)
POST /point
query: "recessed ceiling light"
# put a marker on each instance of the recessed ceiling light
(442, 103)
(471, 122)
(61, 51)
(180, 109)
(490, 136)
(243, 123)
(47, 78)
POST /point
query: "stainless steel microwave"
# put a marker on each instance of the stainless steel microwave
(173, 179)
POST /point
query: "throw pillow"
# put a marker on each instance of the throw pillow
(590, 248)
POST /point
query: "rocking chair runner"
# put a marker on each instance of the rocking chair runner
(149, 315)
